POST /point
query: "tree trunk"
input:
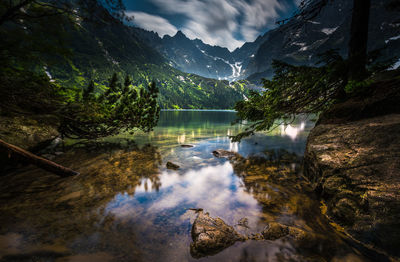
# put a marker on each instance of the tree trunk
(14, 151)
(359, 40)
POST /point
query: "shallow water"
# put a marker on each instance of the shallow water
(126, 206)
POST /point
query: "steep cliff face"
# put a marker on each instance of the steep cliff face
(353, 161)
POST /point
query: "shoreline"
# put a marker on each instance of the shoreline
(205, 110)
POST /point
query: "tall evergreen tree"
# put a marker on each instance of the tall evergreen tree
(111, 113)
(127, 83)
(88, 92)
(358, 45)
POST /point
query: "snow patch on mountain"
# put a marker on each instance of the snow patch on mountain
(329, 31)
(236, 67)
(106, 54)
(396, 65)
(48, 74)
(298, 44)
(394, 38)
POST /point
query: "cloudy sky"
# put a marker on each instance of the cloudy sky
(227, 23)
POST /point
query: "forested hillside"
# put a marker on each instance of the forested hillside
(93, 50)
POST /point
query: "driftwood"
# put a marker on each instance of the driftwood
(17, 152)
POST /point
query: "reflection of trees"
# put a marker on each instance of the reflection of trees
(273, 180)
(117, 167)
(63, 211)
(277, 184)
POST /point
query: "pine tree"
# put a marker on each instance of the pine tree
(88, 92)
(127, 83)
(358, 45)
(114, 89)
(113, 112)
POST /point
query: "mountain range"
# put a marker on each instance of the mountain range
(291, 43)
(100, 49)
(193, 74)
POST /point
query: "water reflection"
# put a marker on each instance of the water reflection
(213, 187)
(292, 131)
(68, 216)
(126, 206)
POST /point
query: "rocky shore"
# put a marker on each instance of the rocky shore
(352, 160)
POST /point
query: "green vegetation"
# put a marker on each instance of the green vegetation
(63, 70)
(100, 51)
(121, 107)
(298, 90)
(75, 50)
(30, 47)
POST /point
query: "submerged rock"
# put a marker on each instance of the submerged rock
(220, 153)
(187, 146)
(211, 235)
(276, 230)
(243, 222)
(196, 209)
(173, 166)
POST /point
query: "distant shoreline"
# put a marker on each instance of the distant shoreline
(209, 110)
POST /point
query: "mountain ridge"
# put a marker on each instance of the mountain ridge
(296, 45)
(99, 51)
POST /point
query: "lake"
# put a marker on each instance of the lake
(127, 206)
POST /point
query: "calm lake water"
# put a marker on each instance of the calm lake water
(127, 206)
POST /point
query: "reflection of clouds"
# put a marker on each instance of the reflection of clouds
(213, 188)
(292, 131)
(234, 146)
(207, 187)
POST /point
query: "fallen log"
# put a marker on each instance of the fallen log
(17, 152)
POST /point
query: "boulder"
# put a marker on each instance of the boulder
(211, 235)
(355, 167)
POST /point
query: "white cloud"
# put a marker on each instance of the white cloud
(153, 23)
(257, 15)
(220, 22)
